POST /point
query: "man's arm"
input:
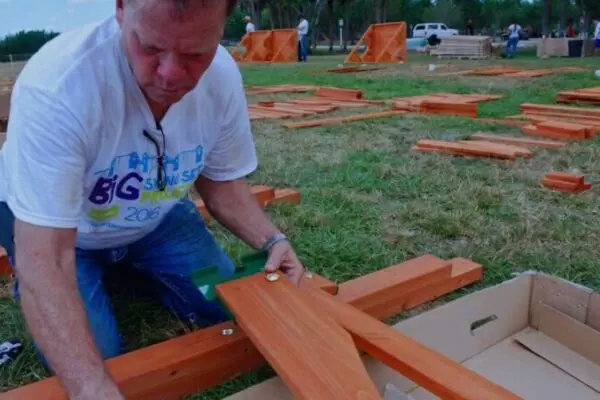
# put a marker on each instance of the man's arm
(54, 312)
(235, 207)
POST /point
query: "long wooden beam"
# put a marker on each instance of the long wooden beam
(433, 371)
(200, 360)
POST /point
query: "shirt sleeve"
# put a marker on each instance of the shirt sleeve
(44, 160)
(234, 154)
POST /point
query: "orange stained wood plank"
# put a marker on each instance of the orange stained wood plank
(314, 356)
(307, 107)
(341, 120)
(518, 140)
(5, 267)
(187, 364)
(433, 371)
(286, 196)
(564, 186)
(516, 149)
(578, 179)
(535, 130)
(469, 149)
(339, 93)
(592, 112)
(391, 280)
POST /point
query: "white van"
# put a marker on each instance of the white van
(428, 29)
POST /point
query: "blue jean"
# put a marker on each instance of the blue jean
(165, 260)
(302, 48)
(511, 47)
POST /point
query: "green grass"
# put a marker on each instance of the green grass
(369, 202)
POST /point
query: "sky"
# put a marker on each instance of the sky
(55, 15)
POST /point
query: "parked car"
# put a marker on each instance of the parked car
(428, 29)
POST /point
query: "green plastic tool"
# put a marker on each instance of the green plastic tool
(207, 279)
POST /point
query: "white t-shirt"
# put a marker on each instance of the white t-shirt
(250, 27)
(514, 30)
(303, 28)
(76, 155)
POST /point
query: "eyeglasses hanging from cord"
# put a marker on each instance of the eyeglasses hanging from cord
(161, 172)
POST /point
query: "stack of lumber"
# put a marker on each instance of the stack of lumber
(478, 148)
(517, 141)
(558, 130)
(443, 103)
(285, 88)
(589, 95)
(565, 182)
(588, 118)
(326, 99)
(264, 196)
(512, 72)
(474, 47)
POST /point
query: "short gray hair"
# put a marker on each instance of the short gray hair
(182, 5)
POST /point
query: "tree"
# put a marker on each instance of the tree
(24, 42)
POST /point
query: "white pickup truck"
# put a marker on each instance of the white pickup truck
(428, 29)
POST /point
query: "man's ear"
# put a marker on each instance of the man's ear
(120, 10)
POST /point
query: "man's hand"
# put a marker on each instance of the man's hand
(235, 207)
(283, 257)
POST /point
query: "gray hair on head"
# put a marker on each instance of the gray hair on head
(182, 5)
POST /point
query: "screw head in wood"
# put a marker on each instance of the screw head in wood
(227, 332)
(273, 277)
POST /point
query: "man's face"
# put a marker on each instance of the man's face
(168, 49)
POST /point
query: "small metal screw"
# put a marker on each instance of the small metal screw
(308, 274)
(273, 277)
(227, 332)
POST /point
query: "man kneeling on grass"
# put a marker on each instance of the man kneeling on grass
(110, 126)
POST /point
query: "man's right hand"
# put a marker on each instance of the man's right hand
(54, 311)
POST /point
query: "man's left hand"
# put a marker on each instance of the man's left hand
(283, 257)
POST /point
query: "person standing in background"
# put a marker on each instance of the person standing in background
(514, 32)
(470, 29)
(597, 36)
(302, 39)
(249, 25)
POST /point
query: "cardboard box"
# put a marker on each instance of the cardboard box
(536, 335)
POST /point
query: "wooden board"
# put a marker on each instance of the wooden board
(190, 363)
(341, 120)
(525, 142)
(429, 369)
(313, 355)
(397, 278)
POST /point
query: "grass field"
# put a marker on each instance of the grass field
(369, 202)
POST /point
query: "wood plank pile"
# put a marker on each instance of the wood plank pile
(518, 141)
(285, 88)
(326, 99)
(205, 358)
(589, 95)
(265, 195)
(512, 72)
(560, 122)
(353, 69)
(344, 119)
(565, 182)
(443, 103)
(475, 148)
(474, 47)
